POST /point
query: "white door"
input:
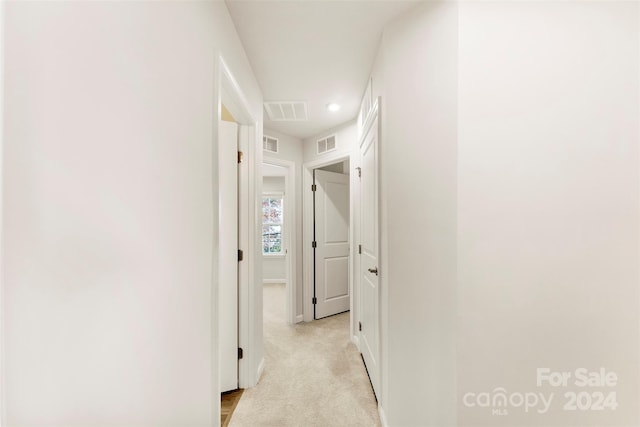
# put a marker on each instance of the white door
(369, 292)
(331, 206)
(228, 255)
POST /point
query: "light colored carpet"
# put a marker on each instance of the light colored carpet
(313, 374)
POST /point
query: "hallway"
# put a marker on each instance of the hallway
(313, 374)
(493, 237)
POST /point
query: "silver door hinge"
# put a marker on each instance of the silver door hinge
(240, 156)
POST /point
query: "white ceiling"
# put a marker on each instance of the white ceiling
(314, 51)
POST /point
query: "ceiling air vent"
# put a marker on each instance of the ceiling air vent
(286, 111)
(270, 144)
(327, 144)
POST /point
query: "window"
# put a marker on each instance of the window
(272, 219)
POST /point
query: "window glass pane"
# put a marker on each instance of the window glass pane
(276, 216)
(276, 203)
(265, 238)
(272, 219)
(275, 246)
(275, 212)
(265, 209)
(275, 230)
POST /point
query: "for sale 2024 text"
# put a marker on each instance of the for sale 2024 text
(584, 390)
(596, 388)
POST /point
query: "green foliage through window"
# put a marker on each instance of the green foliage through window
(272, 219)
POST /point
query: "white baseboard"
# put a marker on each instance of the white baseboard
(299, 318)
(260, 370)
(356, 341)
(273, 281)
(383, 417)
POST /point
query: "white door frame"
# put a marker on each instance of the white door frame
(228, 91)
(290, 233)
(2, 308)
(368, 125)
(307, 232)
(229, 243)
(368, 121)
(328, 202)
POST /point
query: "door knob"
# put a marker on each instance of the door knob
(373, 270)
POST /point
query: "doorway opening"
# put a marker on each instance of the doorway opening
(229, 172)
(237, 340)
(331, 240)
(339, 164)
(276, 230)
(278, 222)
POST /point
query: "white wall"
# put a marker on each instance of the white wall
(418, 83)
(346, 138)
(273, 184)
(108, 210)
(290, 148)
(510, 140)
(2, 357)
(548, 202)
(274, 269)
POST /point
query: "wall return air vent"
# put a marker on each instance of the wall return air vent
(326, 144)
(270, 144)
(286, 111)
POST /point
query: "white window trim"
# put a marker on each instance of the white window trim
(274, 255)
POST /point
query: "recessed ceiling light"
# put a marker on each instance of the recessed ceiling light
(333, 107)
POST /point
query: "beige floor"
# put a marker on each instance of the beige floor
(313, 374)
